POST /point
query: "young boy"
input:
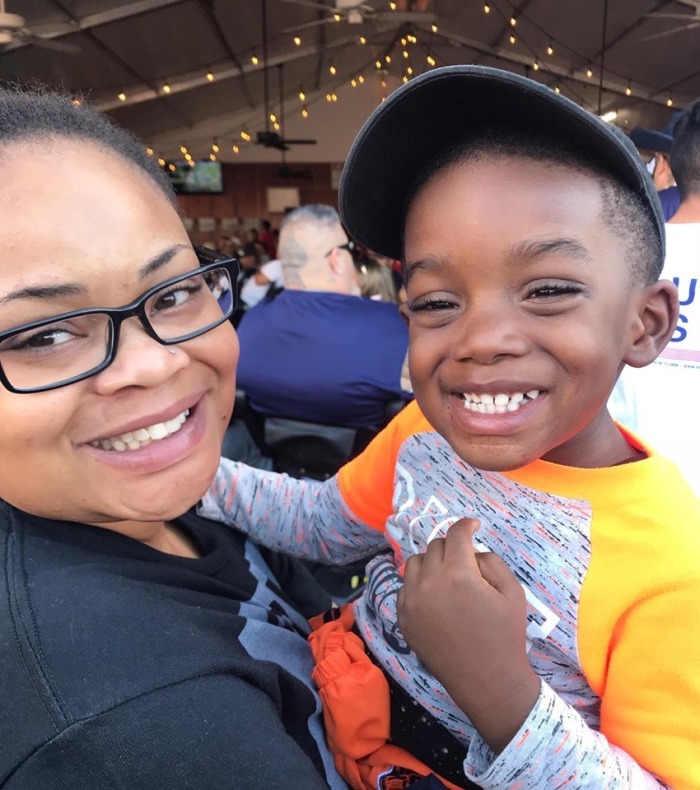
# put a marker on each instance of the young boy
(559, 645)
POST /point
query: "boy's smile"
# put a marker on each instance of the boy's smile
(522, 309)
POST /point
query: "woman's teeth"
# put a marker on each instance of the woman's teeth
(143, 436)
(497, 404)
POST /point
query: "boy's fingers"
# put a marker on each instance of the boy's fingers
(495, 571)
(459, 541)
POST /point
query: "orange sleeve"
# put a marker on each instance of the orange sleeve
(367, 482)
(639, 630)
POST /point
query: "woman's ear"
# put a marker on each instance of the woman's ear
(657, 315)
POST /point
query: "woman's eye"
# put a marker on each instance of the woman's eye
(42, 338)
(176, 297)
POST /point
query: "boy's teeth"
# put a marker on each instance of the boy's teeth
(132, 440)
(499, 403)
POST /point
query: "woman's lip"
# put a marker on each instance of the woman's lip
(157, 455)
(190, 402)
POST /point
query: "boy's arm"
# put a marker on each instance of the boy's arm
(307, 518)
(528, 735)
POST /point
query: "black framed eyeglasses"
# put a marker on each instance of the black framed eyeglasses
(349, 246)
(54, 352)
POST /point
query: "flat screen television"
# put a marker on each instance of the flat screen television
(201, 178)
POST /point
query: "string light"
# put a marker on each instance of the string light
(334, 96)
(536, 66)
(171, 167)
(409, 71)
(122, 96)
(557, 89)
(304, 112)
(161, 162)
(360, 79)
(212, 157)
(550, 49)
(383, 83)
(149, 151)
(392, 6)
(405, 79)
(215, 147)
(329, 98)
(378, 64)
(589, 72)
(297, 41)
(337, 17)
(210, 76)
(403, 42)
(431, 60)
(513, 21)
(254, 59)
(434, 28)
(166, 88)
(387, 58)
(302, 95)
(363, 40)
(183, 149)
(332, 69)
(276, 126)
(353, 82)
(273, 117)
(412, 39)
(669, 101)
(512, 39)
(628, 90)
(235, 149)
(245, 136)
(487, 8)
(405, 53)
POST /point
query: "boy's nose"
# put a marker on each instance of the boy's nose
(488, 333)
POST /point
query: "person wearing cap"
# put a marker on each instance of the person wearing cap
(538, 622)
(642, 396)
(655, 148)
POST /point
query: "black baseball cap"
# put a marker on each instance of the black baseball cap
(432, 111)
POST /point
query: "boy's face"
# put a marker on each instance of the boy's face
(521, 312)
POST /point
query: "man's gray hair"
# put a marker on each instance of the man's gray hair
(293, 253)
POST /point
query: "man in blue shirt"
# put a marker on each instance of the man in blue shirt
(318, 351)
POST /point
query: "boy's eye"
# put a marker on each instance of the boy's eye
(553, 290)
(430, 304)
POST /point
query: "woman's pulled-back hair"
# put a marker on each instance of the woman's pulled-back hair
(38, 114)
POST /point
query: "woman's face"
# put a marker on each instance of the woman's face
(83, 228)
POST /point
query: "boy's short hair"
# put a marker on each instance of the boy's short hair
(434, 113)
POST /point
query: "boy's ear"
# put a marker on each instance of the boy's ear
(655, 322)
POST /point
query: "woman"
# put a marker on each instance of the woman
(140, 645)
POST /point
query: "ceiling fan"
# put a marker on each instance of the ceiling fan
(274, 137)
(14, 30)
(691, 21)
(356, 12)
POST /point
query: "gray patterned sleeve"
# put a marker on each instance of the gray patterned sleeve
(307, 518)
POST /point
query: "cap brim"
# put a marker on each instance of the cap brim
(651, 140)
(432, 111)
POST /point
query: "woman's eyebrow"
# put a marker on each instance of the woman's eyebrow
(77, 289)
(161, 260)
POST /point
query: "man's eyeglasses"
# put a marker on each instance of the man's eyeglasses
(54, 352)
(349, 246)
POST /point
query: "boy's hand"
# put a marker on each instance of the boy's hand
(464, 615)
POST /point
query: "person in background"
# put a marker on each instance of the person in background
(375, 281)
(317, 352)
(654, 148)
(538, 624)
(249, 259)
(266, 280)
(660, 401)
(141, 646)
(267, 237)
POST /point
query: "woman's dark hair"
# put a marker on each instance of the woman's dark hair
(38, 114)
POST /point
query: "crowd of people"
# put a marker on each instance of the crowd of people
(532, 607)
